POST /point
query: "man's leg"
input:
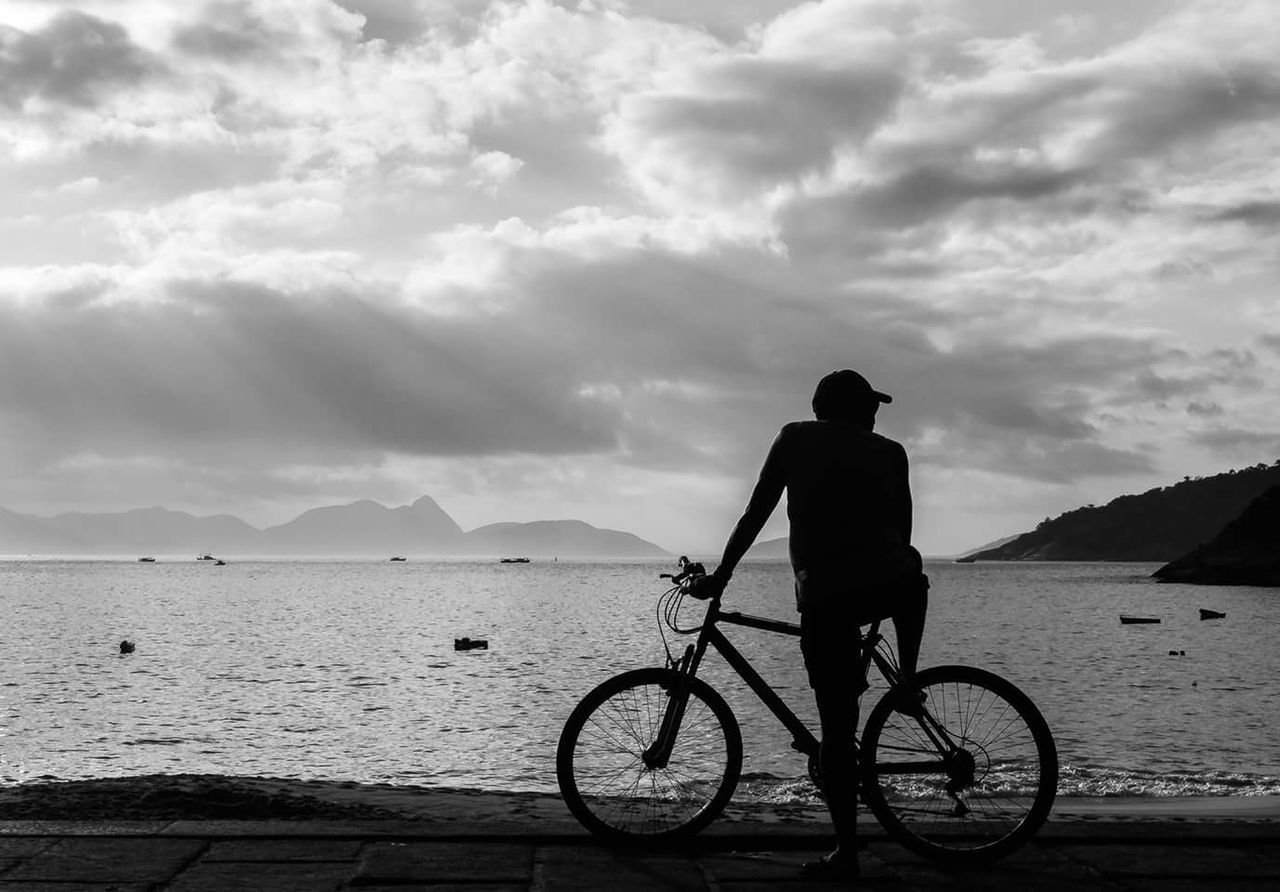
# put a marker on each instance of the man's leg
(838, 761)
(827, 639)
(908, 626)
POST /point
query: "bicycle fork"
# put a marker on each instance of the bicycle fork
(659, 752)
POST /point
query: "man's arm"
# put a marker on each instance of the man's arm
(764, 498)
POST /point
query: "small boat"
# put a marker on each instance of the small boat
(146, 560)
(1131, 620)
(470, 644)
(514, 561)
(219, 563)
(398, 559)
(1210, 614)
(205, 557)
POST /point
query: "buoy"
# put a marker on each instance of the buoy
(126, 647)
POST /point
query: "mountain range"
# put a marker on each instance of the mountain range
(359, 528)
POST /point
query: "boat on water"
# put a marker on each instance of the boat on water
(520, 560)
(1211, 614)
(146, 560)
(205, 557)
(1132, 620)
(219, 563)
(397, 558)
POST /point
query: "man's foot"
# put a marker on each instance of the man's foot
(835, 866)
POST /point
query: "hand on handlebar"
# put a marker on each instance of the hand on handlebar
(693, 580)
(704, 587)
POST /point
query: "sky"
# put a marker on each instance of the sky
(547, 260)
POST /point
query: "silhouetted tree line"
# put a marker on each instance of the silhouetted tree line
(1159, 525)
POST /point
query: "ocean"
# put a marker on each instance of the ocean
(346, 669)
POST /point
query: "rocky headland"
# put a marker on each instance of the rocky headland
(1245, 552)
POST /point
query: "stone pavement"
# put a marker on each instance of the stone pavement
(282, 856)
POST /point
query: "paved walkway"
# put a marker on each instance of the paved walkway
(279, 856)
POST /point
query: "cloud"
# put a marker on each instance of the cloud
(335, 244)
(237, 32)
(217, 364)
(1205, 410)
(1240, 442)
(1256, 213)
(76, 59)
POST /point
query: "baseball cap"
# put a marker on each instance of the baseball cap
(842, 389)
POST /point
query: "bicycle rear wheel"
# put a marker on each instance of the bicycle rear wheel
(971, 779)
(601, 766)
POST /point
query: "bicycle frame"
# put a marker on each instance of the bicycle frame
(803, 740)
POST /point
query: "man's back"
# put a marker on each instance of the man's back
(848, 500)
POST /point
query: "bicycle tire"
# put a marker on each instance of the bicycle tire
(1007, 788)
(602, 776)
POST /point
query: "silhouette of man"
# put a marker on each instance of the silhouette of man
(849, 505)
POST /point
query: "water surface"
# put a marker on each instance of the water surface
(346, 669)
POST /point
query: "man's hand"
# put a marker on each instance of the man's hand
(705, 587)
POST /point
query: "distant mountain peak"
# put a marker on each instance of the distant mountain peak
(360, 527)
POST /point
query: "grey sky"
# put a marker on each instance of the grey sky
(547, 260)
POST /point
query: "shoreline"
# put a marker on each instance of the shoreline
(227, 797)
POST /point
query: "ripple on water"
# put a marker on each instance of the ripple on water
(1129, 719)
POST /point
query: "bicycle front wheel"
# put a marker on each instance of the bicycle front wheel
(615, 791)
(968, 779)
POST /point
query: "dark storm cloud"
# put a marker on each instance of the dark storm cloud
(76, 59)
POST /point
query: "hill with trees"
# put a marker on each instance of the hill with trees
(1161, 524)
(1245, 552)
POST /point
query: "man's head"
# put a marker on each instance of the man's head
(847, 396)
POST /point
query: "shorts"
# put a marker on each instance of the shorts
(831, 630)
(830, 640)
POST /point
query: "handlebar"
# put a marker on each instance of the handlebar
(690, 572)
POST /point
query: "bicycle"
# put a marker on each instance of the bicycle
(962, 770)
